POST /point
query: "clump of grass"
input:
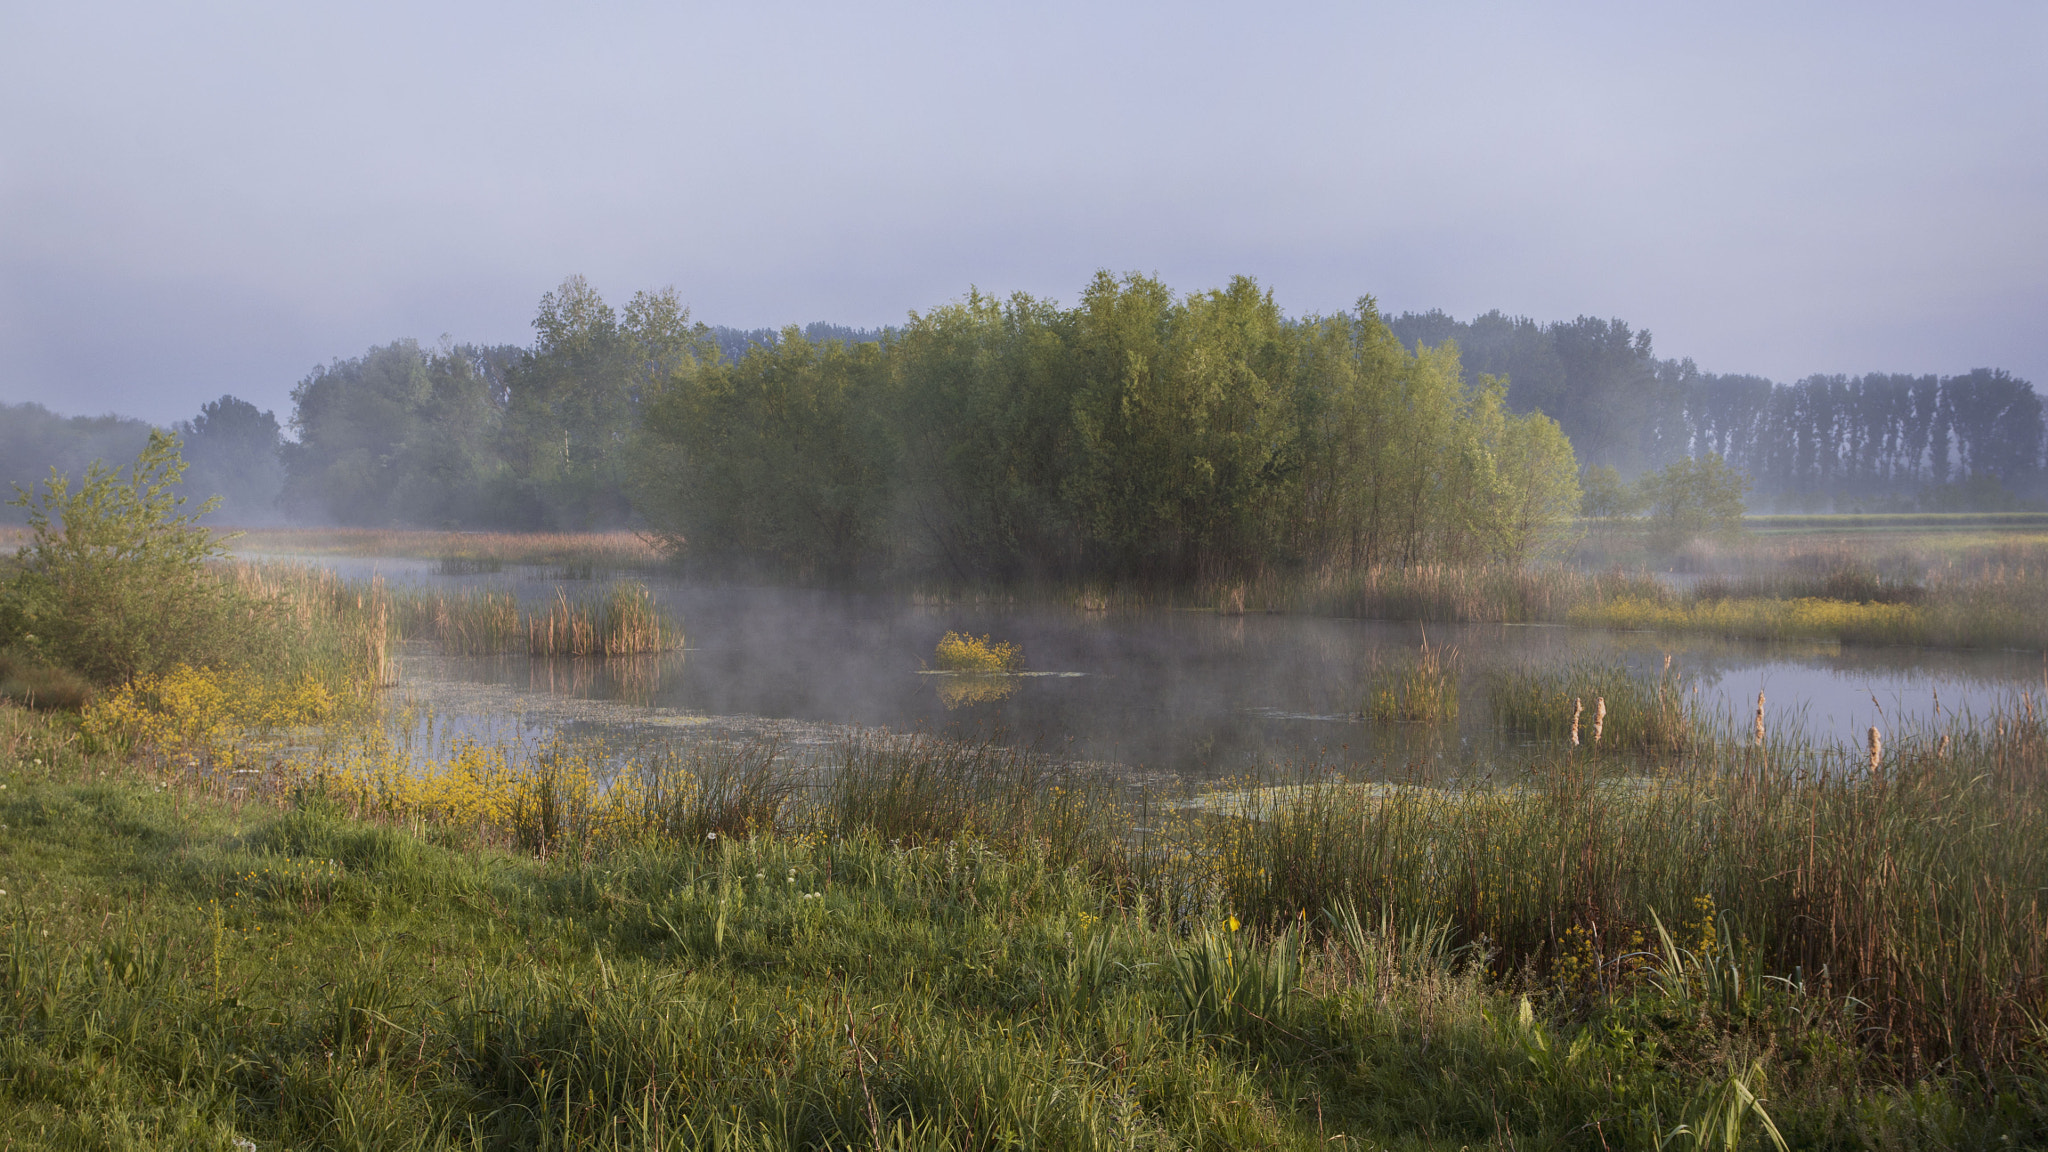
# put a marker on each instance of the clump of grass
(920, 789)
(1599, 706)
(1420, 690)
(625, 621)
(622, 620)
(43, 687)
(960, 652)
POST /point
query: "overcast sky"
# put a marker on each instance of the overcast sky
(198, 199)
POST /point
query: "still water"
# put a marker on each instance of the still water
(1190, 693)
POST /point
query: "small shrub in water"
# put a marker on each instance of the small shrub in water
(959, 652)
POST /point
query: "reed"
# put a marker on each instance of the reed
(1912, 886)
(1599, 707)
(610, 550)
(1420, 690)
(620, 620)
(623, 621)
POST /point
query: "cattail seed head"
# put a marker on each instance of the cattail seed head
(1876, 749)
(1759, 719)
(1578, 706)
(1599, 717)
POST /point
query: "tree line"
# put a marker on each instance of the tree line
(1871, 442)
(1138, 431)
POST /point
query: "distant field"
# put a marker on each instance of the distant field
(1909, 522)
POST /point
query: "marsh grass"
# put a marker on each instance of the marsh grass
(301, 978)
(1421, 689)
(620, 620)
(1598, 707)
(1912, 889)
(613, 550)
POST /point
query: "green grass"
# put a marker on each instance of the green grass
(183, 967)
(1597, 707)
(1422, 689)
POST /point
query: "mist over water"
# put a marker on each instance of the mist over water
(1187, 693)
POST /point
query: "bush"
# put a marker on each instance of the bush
(114, 583)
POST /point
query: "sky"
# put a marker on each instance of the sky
(198, 199)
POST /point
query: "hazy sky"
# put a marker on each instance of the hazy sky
(208, 198)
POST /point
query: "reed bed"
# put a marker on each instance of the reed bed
(611, 550)
(620, 620)
(1419, 690)
(1598, 707)
(1912, 887)
(623, 621)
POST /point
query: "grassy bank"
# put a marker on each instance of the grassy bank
(957, 946)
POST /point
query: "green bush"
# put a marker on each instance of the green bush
(114, 582)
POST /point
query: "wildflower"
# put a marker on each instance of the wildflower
(1233, 924)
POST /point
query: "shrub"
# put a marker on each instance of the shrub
(959, 652)
(113, 583)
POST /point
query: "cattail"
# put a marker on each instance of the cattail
(1599, 717)
(1876, 749)
(1941, 749)
(1578, 706)
(1759, 719)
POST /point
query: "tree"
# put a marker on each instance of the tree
(1692, 498)
(232, 450)
(575, 404)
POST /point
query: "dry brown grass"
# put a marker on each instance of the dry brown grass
(601, 549)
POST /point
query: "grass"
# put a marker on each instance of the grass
(1421, 690)
(188, 966)
(1598, 707)
(467, 551)
(621, 619)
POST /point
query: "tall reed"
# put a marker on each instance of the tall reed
(1915, 889)
(1598, 706)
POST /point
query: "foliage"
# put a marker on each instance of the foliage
(1423, 690)
(113, 583)
(1138, 436)
(959, 652)
(1693, 498)
(232, 449)
(34, 441)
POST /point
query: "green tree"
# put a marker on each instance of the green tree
(232, 448)
(1605, 496)
(780, 462)
(575, 404)
(113, 583)
(1692, 498)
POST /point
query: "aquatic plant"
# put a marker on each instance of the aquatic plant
(1598, 706)
(1419, 690)
(960, 652)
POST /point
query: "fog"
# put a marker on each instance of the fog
(208, 199)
